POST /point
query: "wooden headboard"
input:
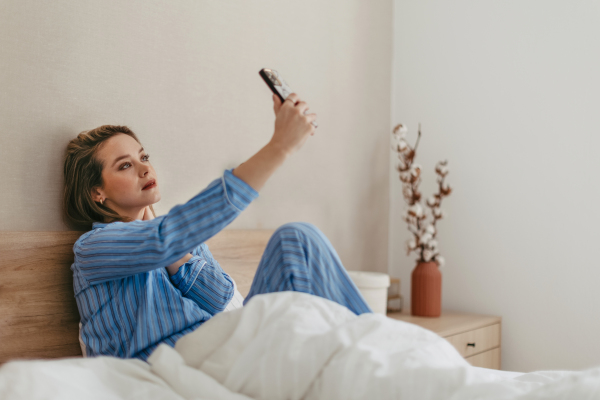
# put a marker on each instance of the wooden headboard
(38, 313)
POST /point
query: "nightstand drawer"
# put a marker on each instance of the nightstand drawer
(488, 359)
(477, 340)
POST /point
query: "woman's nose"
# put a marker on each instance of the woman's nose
(144, 169)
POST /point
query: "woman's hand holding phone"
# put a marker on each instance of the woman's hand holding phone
(292, 124)
(292, 127)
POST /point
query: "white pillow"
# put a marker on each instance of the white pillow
(81, 344)
(237, 301)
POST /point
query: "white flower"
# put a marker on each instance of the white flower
(415, 170)
(430, 229)
(425, 238)
(402, 145)
(402, 131)
(440, 260)
(416, 210)
(436, 212)
(432, 201)
(427, 254)
(405, 176)
(410, 246)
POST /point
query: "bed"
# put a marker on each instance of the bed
(240, 354)
(38, 313)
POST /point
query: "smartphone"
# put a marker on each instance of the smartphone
(275, 83)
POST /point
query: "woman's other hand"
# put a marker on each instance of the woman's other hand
(292, 125)
(147, 214)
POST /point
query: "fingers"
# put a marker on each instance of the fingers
(301, 106)
(293, 101)
(276, 104)
(294, 97)
(311, 117)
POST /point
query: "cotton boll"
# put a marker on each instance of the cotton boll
(440, 260)
(432, 201)
(402, 145)
(425, 238)
(406, 177)
(416, 210)
(410, 245)
(427, 254)
(402, 131)
(430, 229)
(415, 170)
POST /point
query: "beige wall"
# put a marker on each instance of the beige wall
(184, 76)
(508, 92)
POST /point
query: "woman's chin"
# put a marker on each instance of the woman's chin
(156, 197)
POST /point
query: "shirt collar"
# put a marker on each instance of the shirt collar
(96, 225)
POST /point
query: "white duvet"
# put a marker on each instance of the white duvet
(292, 345)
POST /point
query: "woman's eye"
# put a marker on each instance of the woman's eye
(147, 156)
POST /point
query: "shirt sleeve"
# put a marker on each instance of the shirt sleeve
(122, 249)
(204, 282)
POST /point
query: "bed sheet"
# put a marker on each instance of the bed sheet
(499, 373)
(291, 345)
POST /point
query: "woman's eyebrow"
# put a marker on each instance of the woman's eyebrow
(125, 156)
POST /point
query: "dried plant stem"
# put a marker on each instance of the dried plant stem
(416, 217)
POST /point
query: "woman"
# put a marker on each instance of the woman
(142, 280)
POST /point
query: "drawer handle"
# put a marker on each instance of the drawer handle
(470, 344)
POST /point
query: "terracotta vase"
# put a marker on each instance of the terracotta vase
(426, 290)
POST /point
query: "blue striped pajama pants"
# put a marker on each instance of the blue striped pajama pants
(300, 258)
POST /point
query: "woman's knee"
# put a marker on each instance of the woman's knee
(293, 228)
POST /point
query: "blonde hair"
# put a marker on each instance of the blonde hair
(82, 171)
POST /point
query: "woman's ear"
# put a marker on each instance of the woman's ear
(97, 194)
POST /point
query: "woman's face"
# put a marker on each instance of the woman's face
(125, 173)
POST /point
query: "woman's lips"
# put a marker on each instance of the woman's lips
(150, 186)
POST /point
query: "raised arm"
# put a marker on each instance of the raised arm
(121, 249)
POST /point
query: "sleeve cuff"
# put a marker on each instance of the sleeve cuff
(238, 193)
(186, 275)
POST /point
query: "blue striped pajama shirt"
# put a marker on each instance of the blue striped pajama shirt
(129, 304)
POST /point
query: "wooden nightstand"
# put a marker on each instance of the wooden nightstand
(475, 336)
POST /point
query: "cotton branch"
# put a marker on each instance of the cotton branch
(424, 242)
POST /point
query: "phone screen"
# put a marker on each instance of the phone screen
(278, 83)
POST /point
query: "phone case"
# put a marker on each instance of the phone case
(275, 83)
